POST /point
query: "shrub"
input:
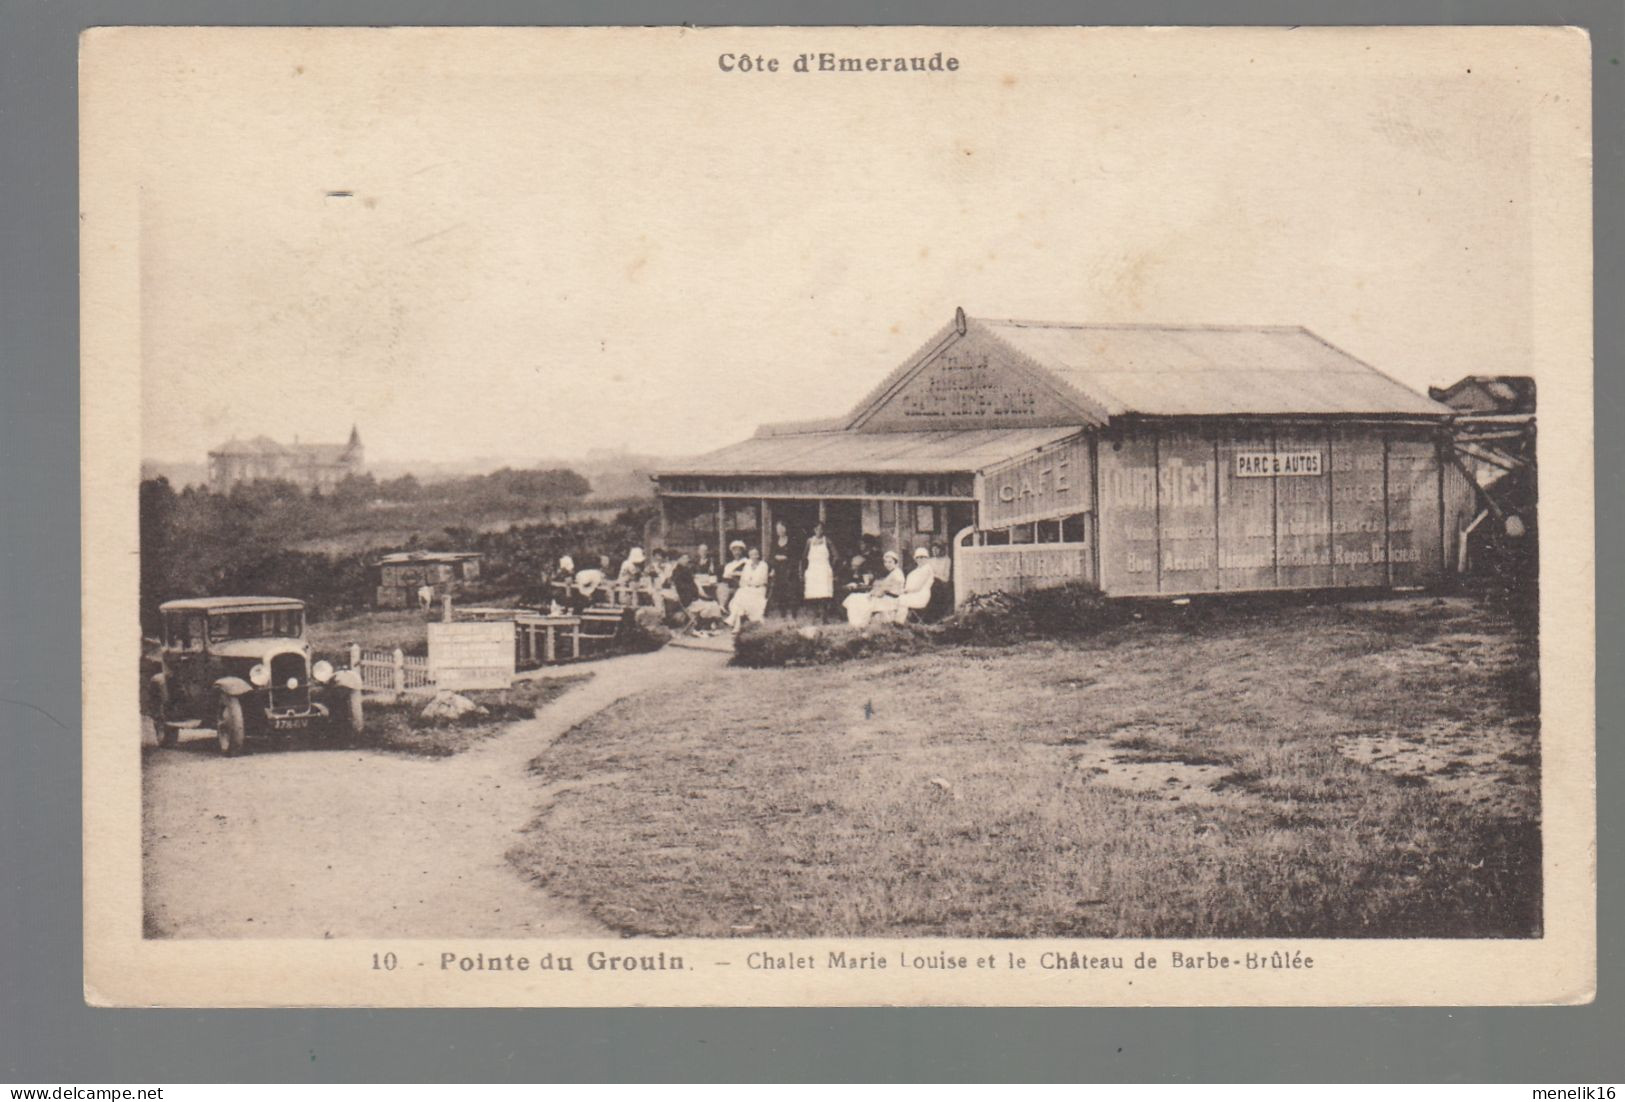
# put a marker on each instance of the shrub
(791, 644)
(994, 619)
(1060, 612)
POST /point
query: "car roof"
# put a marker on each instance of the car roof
(204, 604)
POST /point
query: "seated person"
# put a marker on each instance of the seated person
(657, 584)
(858, 577)
(942, 593)
(702, 612)
(589, 587)
(555, 591)
(728, 582)
(882, 598)
(750, 602)
(917, 587)
(631, 570)
(705, 570)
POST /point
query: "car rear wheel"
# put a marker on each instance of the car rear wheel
(168, 734)
(229, 727)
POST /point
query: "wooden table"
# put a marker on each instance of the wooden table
(536, 638)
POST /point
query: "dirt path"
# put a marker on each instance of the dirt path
(345, 843)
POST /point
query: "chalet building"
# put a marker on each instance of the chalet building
(1142, 460)
(311, 466)
(1488, 394)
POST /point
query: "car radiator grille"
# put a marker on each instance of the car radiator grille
(283, 668)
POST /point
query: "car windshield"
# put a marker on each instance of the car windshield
(282, 622)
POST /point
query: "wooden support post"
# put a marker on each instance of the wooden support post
(355, 656)
(722, 534)
(1331, 509)
(397, 678)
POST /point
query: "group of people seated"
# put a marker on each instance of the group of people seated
(694, 592)
(923, 593)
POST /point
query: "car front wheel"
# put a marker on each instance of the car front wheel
(352, 715)
(229, 727)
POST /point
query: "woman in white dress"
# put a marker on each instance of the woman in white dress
(917, 587)
(881, 600)
(818, 573)
(750, 602)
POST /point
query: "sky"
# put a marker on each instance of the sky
(553, 241)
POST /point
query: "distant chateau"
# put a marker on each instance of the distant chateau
(312, 466)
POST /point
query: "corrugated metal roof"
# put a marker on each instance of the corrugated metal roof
(865, 452)
(1177, 371)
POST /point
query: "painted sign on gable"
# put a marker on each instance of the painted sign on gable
(972, 385)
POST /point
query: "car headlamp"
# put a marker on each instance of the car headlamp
(260, 675)
(322, 671)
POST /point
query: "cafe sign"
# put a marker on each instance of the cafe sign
(1051, 483)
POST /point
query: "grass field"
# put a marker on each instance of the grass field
(383, 630)
(1364, 770)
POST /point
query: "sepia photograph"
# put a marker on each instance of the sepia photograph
(818, 516)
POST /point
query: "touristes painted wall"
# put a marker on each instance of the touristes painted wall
(1255, 505)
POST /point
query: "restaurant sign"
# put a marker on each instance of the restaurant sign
(1050, 483)
(473, 655)
(1278, 464)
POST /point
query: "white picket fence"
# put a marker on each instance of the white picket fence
(391, 671)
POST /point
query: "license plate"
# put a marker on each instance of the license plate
(290, 723)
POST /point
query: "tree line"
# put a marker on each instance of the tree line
(197, 543)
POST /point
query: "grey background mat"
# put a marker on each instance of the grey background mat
(47, 1035)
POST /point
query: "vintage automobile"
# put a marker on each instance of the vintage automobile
(242, 666)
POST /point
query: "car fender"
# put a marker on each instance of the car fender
(347, 679)
(157, 691)
(233, 686)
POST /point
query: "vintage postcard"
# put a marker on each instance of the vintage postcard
(837, 516)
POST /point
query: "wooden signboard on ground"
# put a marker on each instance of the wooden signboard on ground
(472, 655)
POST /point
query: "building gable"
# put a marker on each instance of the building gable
(972, 380)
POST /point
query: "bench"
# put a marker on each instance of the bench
(601, 625)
